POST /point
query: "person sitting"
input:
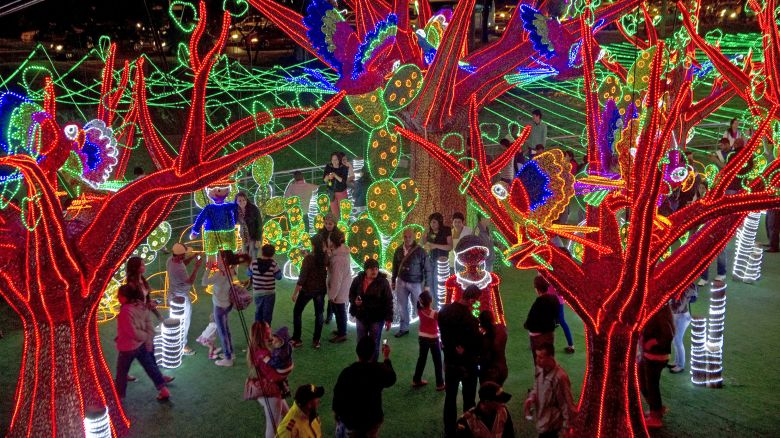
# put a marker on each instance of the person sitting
(490, 418)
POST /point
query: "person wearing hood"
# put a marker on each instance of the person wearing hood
(371, 303)
(339, 281)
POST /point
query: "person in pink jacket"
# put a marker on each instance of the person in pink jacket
(339, 282)
(134, 340)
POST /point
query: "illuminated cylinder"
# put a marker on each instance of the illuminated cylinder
(177, 311)
(747, 255)
(97, 423)
(698, 355)
(442, 274)
(168, 348)
(707, 342)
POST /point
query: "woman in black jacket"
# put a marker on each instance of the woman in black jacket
(248, 216)
(371, 303)
(312, 286)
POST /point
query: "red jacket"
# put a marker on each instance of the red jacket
(134, 327)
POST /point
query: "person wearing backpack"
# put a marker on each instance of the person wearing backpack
(410, 270)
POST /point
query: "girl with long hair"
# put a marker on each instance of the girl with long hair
(261, 341)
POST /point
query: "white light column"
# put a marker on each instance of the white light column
(748, 255)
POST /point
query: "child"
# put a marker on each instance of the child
(280, 356)
(134, 340)
(208, 337)
(264, 273)
(429, 340)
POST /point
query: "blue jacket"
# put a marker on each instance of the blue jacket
(216, 217)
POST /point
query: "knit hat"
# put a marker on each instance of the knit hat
(307, 393)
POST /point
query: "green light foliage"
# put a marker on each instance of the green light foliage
(183, 15)
(262, 195)
(397, 240)
(364, 240)
(323, 208)
(384, 149)
(159, 238)
(146, 253)
(236, 8)
(274, 207)
(409, 194)
(262, 170)
(369, 108)
(384, 206)
(273, 234)
(403, 87)
(345, 208)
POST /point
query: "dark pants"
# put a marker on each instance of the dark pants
(539, 340)
(340, 310)
(454, 376)
(564, 326)
(329, 311)
(373, 329)
(264, 307)
(550, 434)
(650, 382)
(146, 358)
(319, 307)
(433, 345)
(773, 228)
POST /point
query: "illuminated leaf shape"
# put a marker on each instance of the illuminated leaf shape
(263, 169)
(453, 143)
(409, 194)
(490, 131)
(274, 207)
(396, 241)
(294, 211)
(403, 87)
(364, 240)
(323, 208)
(262, 195)
(610, 88)
(146, 253)
(273, 234)
(345, 208)
(183, 14)
(159, 238)
(369, 108)
(383, 202)
(183, 54)
(639, 74)
(236, 8)
(383, 151)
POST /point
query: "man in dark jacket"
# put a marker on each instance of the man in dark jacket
(460, 336)
(543, 317)
(357, 396)
(371, 303)
(656, 342)
(410, 271)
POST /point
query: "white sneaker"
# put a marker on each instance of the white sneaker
(224, 362)
(720, 278)
(702, 282)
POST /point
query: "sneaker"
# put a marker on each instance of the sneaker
(296, 343)
(338, 339)
(164, 394)
(702, 282)
(214, 356)
(654, 421)
(168, 379)
(569, 349)
(419, 384)
(187, 351)
(720, 278)
(224, 363)
(401, 333)
(440, 387)
(316, 345)
(676, 369)
(131, 378)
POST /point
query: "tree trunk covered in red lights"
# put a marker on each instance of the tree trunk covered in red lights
(610, 404)
(62, 374)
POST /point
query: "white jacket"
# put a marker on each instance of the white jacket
(339, 275)
(220, 291)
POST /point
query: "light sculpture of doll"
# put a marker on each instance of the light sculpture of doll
(471, 254)
(218, 221)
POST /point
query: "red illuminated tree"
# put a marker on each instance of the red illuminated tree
(623, 279)
(55, 264)
(442, 105)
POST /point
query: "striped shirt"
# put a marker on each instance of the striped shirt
(265, 272)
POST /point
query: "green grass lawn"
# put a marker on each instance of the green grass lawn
(206, 399)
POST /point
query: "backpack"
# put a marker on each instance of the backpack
(240, 297)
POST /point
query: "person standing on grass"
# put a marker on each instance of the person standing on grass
(357, 396)
(492, 359)
(656, 344)
(561, 319)
(461, 340)
(249, 218)
(410, 271)
(221, 285)
(335, 176)
(429, 341)
(312, 286)
(179, 284)
(550, 400)
(265, 273)
(490, 418)
(339, 282)
(273, 402)
(542, 317)
(371, 303)
(135, 340)
(681, 316)
(303, 421)
(437, 241)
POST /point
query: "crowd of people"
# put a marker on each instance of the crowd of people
(472, 343)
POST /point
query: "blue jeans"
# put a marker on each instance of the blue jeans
(403, 292)
(564, 326)
(300, 304)
(146, 358)
(223, 329)
(681, 321)
(264, 307)
(370, 329)
(340, 310)
(722, 262)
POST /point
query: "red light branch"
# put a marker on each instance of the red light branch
(54, 268)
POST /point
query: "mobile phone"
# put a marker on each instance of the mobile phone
(384, 342)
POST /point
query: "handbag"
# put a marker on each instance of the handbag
(240, 297)
(255, 388)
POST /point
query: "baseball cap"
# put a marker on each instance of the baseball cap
(307, 393)
(493, 391)
(178, 249)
